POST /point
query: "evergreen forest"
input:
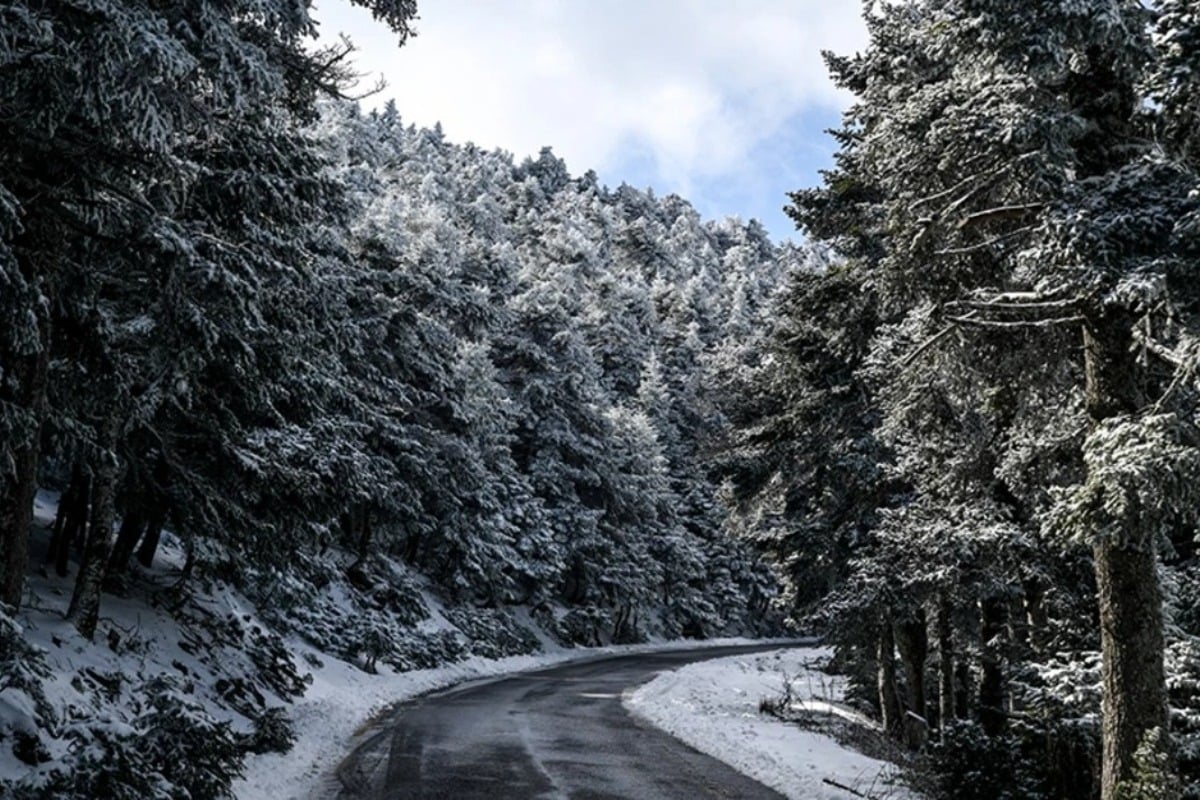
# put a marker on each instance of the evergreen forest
(258, 342)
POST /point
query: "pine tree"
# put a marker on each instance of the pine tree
(103, 110)
(995, 178)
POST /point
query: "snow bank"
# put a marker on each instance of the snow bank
(713, 706)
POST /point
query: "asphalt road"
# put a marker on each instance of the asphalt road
(557, 733)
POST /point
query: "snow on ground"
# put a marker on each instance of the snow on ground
(343, 701)
(136, 640)
(713, 706)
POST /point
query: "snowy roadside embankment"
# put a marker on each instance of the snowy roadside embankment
(343, 701)
(714, 707)
(194, 683)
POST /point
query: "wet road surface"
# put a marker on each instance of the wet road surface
(560, 733)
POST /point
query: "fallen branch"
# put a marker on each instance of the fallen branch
(845, 788)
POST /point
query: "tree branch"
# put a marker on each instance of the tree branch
(928, 343)
(1018, 323)
(998, 213)
(957, 251)
(845, 788)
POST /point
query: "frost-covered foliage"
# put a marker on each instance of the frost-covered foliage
(356, 372)
(170, 748)
(982, 513)
(551, 339)
(96, 731)
(965, 763)
(24, 707)
(1143, 481)
(493, 633)
(352, 370)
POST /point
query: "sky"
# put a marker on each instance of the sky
(724, 103)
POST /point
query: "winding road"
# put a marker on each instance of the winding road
(556, 733)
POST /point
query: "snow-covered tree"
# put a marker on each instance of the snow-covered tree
(997, 178)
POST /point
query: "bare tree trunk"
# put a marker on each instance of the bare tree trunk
(993, 615)
(71, 516)
(65, 501)
(84, 611)
(149, 545)
(1036, 618)
(364, 533)
(912, 642)
(1131, 617)
(1135, 700)
(133, 527)
(30, 373)
(889, 695)
(945, 646)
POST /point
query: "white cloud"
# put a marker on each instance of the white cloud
(693, 84)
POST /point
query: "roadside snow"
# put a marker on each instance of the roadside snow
(136, 641)
(713, 706)
(343, 703)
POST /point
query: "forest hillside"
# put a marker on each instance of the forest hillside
(276, 370)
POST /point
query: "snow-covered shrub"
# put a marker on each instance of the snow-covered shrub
(387, 586)
(425, 649)
(276, 669)
(186, 746)
(493, 633)
(1183, 686)
(273, 733)
(249, 658)
(692, 616)
(1152, 778)
(967, 764)
(587, 626)
(362, 614)
(24, 709)
(1060, 722)
(171, 750)
(105, 762)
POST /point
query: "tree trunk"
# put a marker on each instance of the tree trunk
(70, 519)
(945, 646)
(1036, 619)
(993, 616)
(84, 611)
(1131, 639)
(149, 545)
(133, 527)
(1131, 617)
(962, 689)
(65, 501)
(889, 696)
(912, 642)
(364, 532)
(30, 373)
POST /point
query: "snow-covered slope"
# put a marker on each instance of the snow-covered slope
(194, 679)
